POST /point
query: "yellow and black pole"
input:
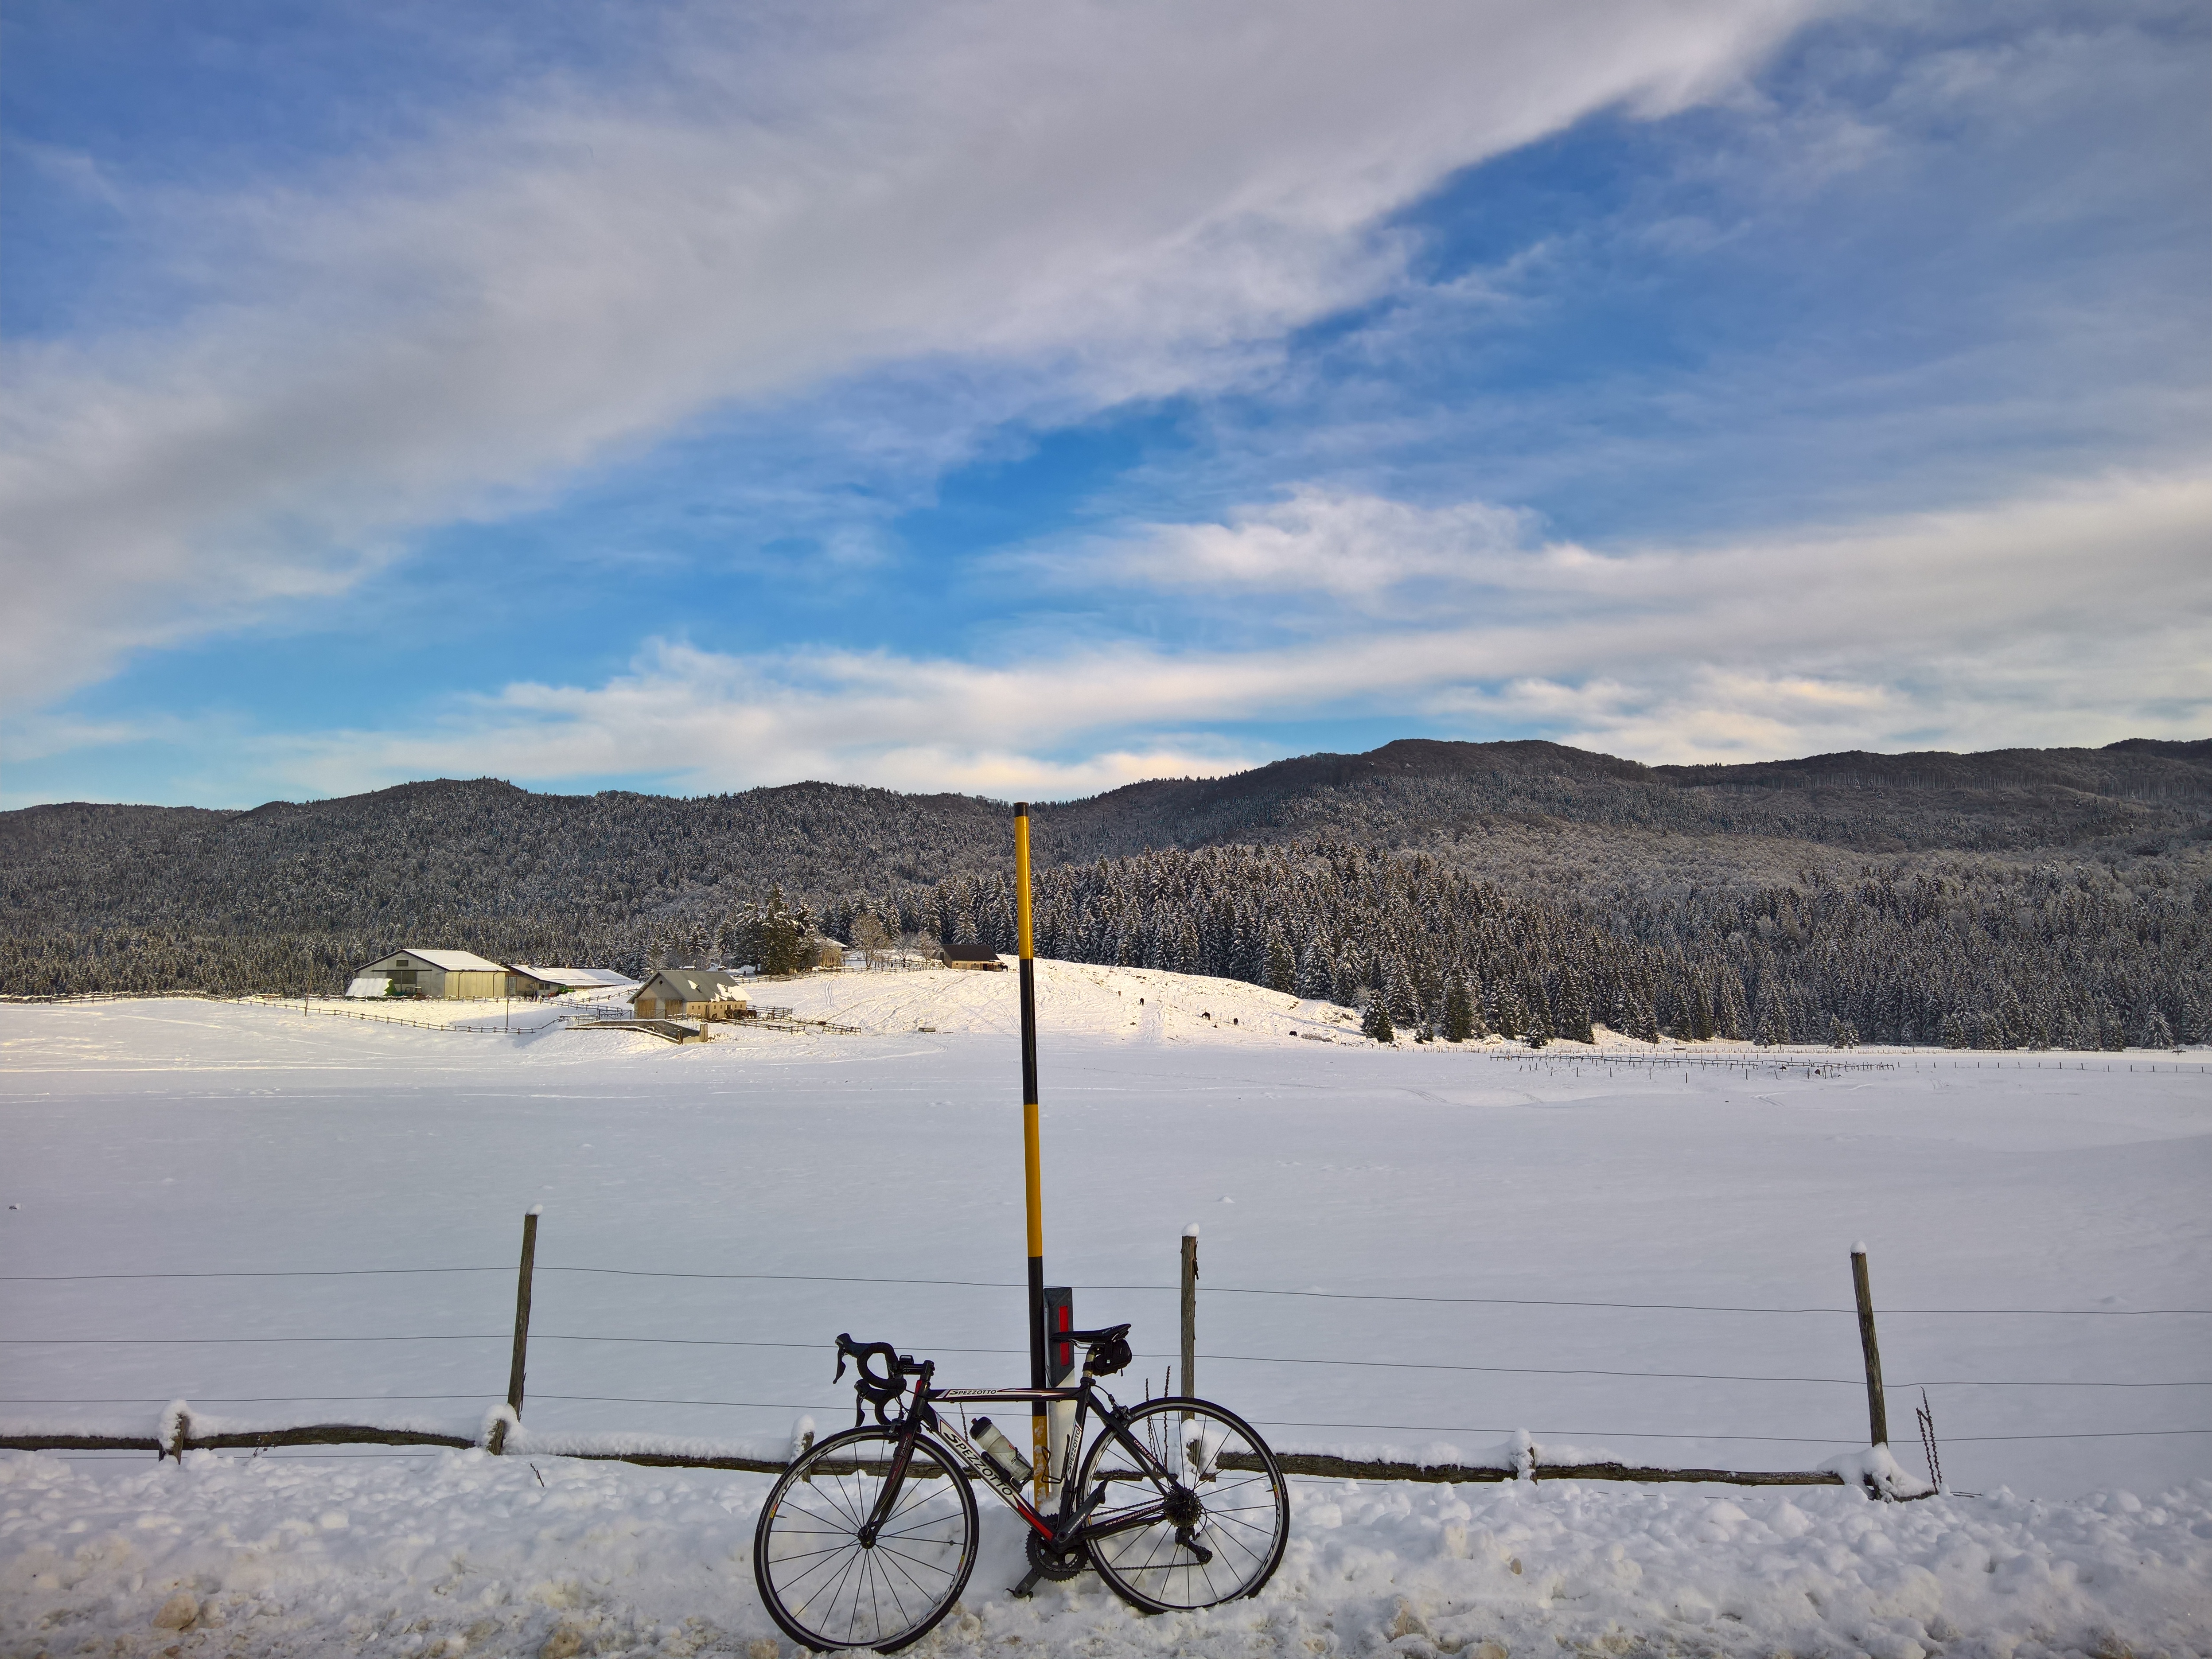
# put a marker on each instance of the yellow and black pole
(1032, 1178)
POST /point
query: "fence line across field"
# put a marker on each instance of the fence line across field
(182, 1437)
(156, 1401)
(1211, 1357)
(1009, 1285)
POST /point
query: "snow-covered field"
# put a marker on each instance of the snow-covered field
(1521, 1193)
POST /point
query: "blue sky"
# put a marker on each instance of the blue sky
(1028, 398)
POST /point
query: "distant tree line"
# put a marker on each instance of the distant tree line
(1965, 953)
(2036, 897)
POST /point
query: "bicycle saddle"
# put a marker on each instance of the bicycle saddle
(1105, 1333)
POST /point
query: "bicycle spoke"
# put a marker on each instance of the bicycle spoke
(1150, 1551)
(829, 1590)
(896, 1557)
(843, 1553)
(830, 1595)
(875, 1607)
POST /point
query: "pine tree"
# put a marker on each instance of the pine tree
(1377, 1022)
(1728, 1017)
(1349, 979)
(1459, 1012)
(1316, 975)
(774, 934)
(1512, 1013)
(1397, 990)
(1772, 1025)
(1572, 1009)
(1540, 1017)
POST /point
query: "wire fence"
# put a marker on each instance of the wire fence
(1012, 1284)
(29, 1344)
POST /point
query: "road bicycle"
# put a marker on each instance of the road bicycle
(868, 1538)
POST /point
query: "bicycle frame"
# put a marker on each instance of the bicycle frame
(1062, 1532)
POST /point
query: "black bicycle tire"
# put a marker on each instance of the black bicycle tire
(810, 1462)
(1101, 1560)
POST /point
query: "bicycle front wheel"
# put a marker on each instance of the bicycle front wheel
(1198, 1517)
(830, 1581)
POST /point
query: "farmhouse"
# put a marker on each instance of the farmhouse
(970, 956)
(690, 993)
(448, 975)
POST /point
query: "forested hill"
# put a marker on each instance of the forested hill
(485, 849)
(2103, 852)
(1418, 791)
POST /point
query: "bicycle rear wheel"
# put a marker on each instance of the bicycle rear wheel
(826, 1581)
(1202, 1518)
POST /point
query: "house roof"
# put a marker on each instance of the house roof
(970, 953)
(454, 962)
(699, 984)
(576, 979)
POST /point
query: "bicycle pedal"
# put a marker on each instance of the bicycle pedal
(1027, 1587)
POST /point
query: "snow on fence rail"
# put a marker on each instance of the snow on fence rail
(181, 1428)
(179, 1431)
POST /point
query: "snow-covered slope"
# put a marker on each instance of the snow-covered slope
(1074, 999)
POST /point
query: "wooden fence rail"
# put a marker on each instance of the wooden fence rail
(1311, 1465)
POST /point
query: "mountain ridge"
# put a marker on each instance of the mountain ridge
(2135, 769)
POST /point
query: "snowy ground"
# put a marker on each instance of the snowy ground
(462, 1552)
(170, 1137)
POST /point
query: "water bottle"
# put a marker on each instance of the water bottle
(1000, 1453)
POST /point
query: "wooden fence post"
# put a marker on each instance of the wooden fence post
(521, 1323)
(1877, 1403)
(1190, 1310)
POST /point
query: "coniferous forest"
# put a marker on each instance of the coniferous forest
(2023, 898)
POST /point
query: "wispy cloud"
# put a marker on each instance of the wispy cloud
(2078, 616)
(1129, 197)
(1363, 551)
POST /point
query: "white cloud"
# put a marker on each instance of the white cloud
(1355, 550)
(2079, 616)
(1127, 198)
